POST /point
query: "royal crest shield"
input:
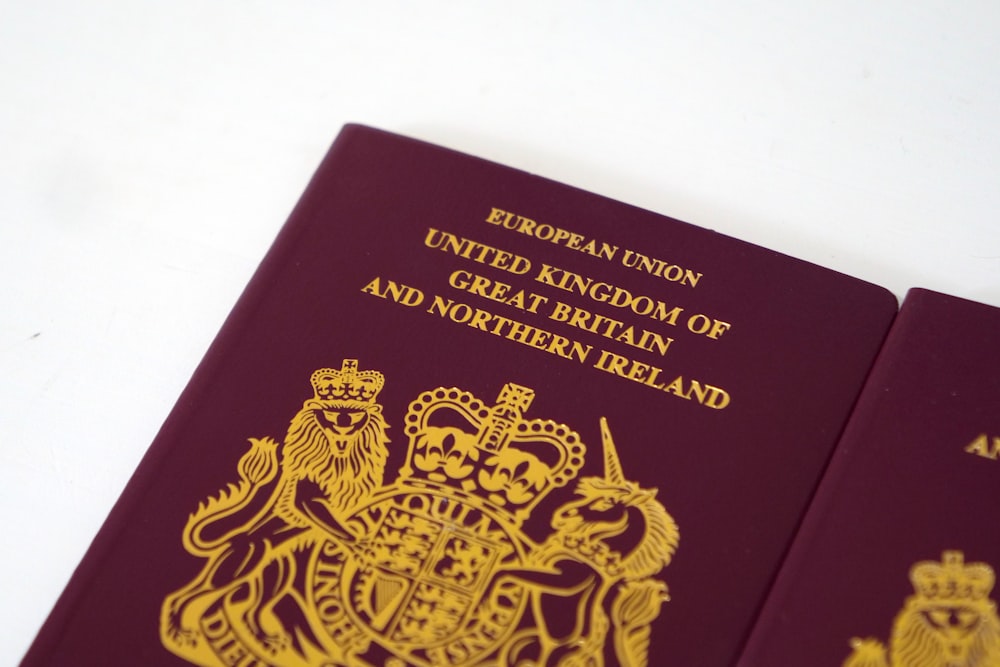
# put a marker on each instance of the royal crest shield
(433, 568)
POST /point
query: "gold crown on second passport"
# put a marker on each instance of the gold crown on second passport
(489, 456)
(347, 383)
(952, 579)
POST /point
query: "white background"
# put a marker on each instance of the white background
(150, 151)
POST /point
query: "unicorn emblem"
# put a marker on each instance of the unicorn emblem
(607, 546)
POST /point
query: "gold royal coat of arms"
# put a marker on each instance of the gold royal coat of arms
(949, 621)
(312, 559)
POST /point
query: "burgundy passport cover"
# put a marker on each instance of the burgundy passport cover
(466, 415)
(897, 554)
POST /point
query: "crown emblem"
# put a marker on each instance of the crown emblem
(489, 456)
(347, 384)
(951, 579)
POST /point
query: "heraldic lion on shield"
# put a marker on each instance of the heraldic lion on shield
(312, 559)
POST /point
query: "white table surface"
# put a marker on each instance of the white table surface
(150, 151)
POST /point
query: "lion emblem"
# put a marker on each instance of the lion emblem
(948, 622)
(257, 535)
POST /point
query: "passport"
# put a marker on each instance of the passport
(895, 561)
(465, 415)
